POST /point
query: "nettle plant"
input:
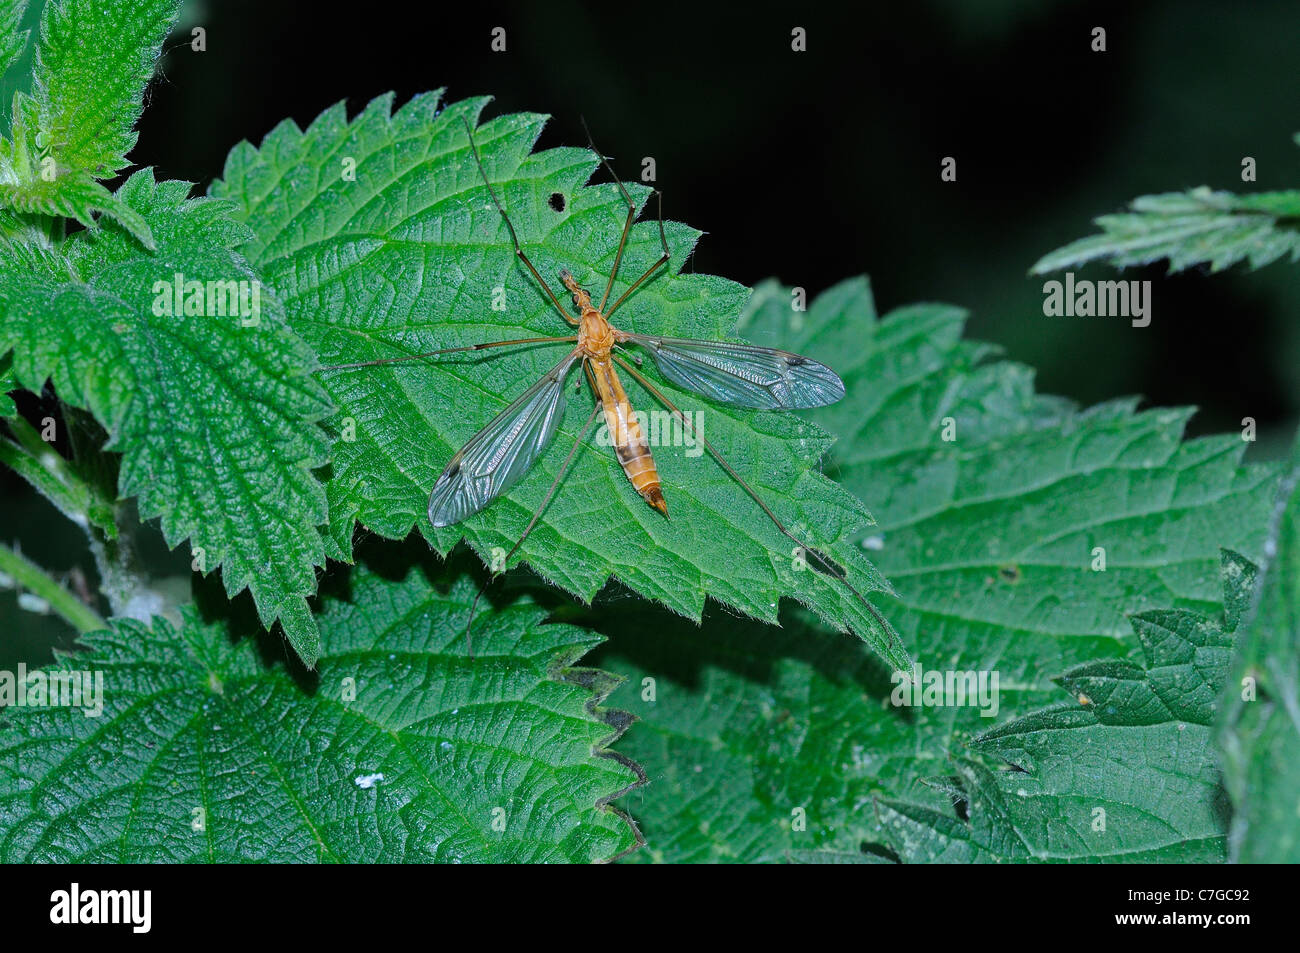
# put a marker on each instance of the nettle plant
(1113, 604)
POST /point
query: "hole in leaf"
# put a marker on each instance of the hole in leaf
(962, 808)
(556, 202)
(878, 850)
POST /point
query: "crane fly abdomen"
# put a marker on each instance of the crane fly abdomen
(596, 341)
(626, 435)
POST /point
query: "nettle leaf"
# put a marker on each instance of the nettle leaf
(7, 384)
(992, 541)
(75, 195)
(405, 750)
(1259, 736)
(1190, 228)
(213, 413)
(93, 61)
(750, 733)
(12, 39)
(1126, 772)
(381, 239)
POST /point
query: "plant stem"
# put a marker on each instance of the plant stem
(123, 581)
(35, 580)
(37, 463)
(109, 526)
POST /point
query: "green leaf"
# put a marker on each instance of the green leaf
(78, 196)
(7, 384)
(990, 540)
(1125, 772)
(1259, 736)
(93, 61)
(739, 730)
(12, 39)
(1191, 228)
(399, 195)
(214, 419)
(403, 750)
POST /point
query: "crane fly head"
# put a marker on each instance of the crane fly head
(580, 297)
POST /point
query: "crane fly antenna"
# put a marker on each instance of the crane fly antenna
(828, 566)
(449, 350)
(537, 514)
(513, 237)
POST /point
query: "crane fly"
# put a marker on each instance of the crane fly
(744, 375)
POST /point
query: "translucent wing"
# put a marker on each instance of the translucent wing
(498, 455)
(743, 374)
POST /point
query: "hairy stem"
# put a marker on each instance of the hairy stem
(38, 463)
(84, 495)
(124, 582)
(27, 575)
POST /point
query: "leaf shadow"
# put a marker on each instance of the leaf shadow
(652, 638)
(239, 616)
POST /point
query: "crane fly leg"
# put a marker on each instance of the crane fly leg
(827, 565)
(627, 224)
(659, 263)
(451, 350)
(513, 237)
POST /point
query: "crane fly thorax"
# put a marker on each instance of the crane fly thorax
(595, 335)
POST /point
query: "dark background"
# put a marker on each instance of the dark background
(815, 166)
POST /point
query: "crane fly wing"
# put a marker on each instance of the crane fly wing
(744, 374)
(498, 455)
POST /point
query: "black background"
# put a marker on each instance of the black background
(190, 899)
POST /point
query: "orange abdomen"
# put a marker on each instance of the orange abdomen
(627, 437)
